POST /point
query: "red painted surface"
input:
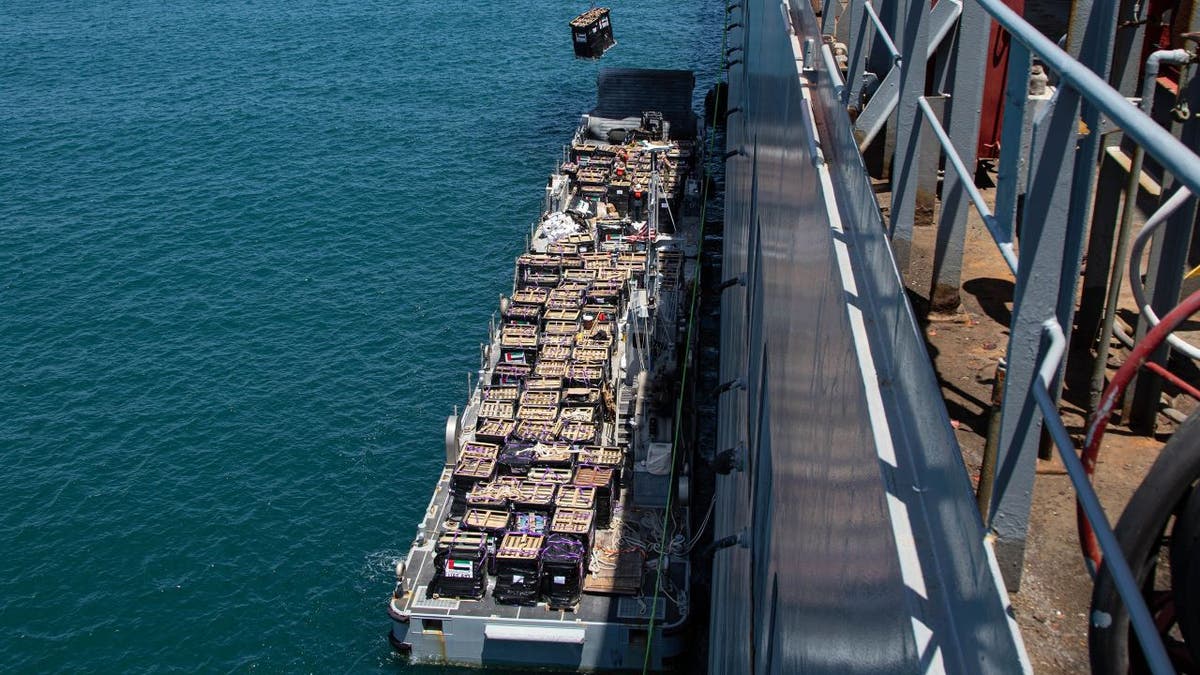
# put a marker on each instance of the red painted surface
(992, 114)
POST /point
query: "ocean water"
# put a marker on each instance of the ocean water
(248, 250)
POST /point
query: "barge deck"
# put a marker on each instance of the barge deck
(555, 536)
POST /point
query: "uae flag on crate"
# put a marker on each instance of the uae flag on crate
(459, 569)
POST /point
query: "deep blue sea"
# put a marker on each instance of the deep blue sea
(248, 250)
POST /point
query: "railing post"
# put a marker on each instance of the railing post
(861, 33)
(906, 163)
(1012, 163)
(967, 65)
(1095, 52)
(1043, 243)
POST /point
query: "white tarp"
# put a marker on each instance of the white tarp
(658, 459)
(559, 225)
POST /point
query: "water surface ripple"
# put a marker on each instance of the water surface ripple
(247, 252)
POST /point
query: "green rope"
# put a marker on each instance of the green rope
(695, 299)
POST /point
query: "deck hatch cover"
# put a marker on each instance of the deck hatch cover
(572, 636)
(426, 602)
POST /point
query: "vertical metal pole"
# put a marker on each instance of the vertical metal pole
(829, 10)
(930, 155)
(1127, 51)
(909, 124)
(1044, 240)
(987, 466)
(1058, 204)
(1012, 163)
(1100, 248)
(967, 65)
(861, 34)
(1095, 53)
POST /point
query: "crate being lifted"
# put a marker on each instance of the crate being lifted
(592, 34)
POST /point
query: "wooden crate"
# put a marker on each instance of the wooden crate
(487, 520)
(502, 410)
(543, 384)
(549, 475)
(539, 279)
(531, 296)
(589, 354)
(578, 432)
(572, 521)
(550, 368)
(542, 398)
(501, 393)
(597, 261)
(518, 336)
(559, 454)
(562, 308)
(577, 414)
(602, 456)
(557, 339)
(576, 497)
(554, 353)
(561, 328)
(604, 312)
(594, 476)
(481, 450)
(584, 372)
(562, 247)
(581, 274)
(510, 373)
(537, 431)
(530, 494)
(461, 541)
(524, 313)
(495, 494)
(580, 397)
(613, 274)
(541, 260)
(495, 431)
(475, 467)
(515, 546)
(537, 413)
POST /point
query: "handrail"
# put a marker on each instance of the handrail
(1127, 587)
(967, 180)
(882, 32)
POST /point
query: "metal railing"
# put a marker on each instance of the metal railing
(1139, 614)
(1050, 160)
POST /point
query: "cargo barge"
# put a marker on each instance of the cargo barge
(558, 534)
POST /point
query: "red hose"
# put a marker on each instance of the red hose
(1174, 379)
(1099, 422)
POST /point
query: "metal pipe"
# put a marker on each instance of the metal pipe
(1127, 586)
(835, 75)
(1178, 57)
(883, 34)
(1124, 375)
(1135, 259)
(1182, 384)
(1173, 155)
(967, 180)
(987, 466)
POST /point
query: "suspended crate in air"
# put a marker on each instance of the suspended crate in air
(592, 33)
